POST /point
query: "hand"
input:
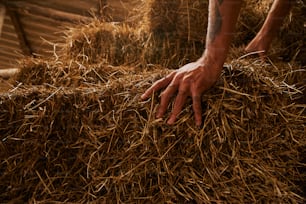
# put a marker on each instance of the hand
(191, 80)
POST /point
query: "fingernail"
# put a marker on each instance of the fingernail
(171, 121)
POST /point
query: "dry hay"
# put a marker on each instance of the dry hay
(168, 50)
(187, 20)
(172, 33)
(98, 41)
(81, 134)
(119, 10)
(102, 144)
(120, 44)
(289, 43)
(292, 37)
(57, 72)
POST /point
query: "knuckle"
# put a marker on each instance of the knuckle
(182, 92)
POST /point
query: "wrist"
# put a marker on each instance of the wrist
(213, 57)
(212, 65)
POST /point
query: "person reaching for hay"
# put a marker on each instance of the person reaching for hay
(193, 79)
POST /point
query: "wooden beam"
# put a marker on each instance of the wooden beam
(30, 8)
(2, 16)
(10, 55)
(7, 73)
(5, 59)
(23, 42)
(8, 45)
(9, 37)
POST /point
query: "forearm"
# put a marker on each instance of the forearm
(222, 19)
(277, 14)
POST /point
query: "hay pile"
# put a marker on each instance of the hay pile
(153, 34)
(115, 43)
(120, 44)
(101, 143)
(172, 33)
(292, 43)
(75, 130)
(35, 71)
(188, 19)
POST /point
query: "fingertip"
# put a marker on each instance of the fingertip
(171, 120)
(198, 116)
(196, 105)
(159, 115)
(146, 94)
(198, 122)
(160, 111)
(143, 96)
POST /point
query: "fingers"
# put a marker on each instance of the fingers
(197, 109)
(160, 84)
(178, 106)
(174, 83)
(165, 99)
(180, 102)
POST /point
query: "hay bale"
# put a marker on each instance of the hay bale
(119, 10)
(117, 44)
(69, 73)
(152, 42)
(289, 43)
(81, 134)
(292, 36)
(160, 16)
(187, 20)
(102, 144)
(250, 20)
(171, 34)
(122, 45)
(168, 50)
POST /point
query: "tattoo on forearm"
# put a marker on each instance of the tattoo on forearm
(216, 22)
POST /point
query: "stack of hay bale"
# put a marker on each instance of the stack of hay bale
(74, 129)
(172, 33)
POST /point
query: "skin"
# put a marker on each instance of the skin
(279, 10)
(193, 79)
